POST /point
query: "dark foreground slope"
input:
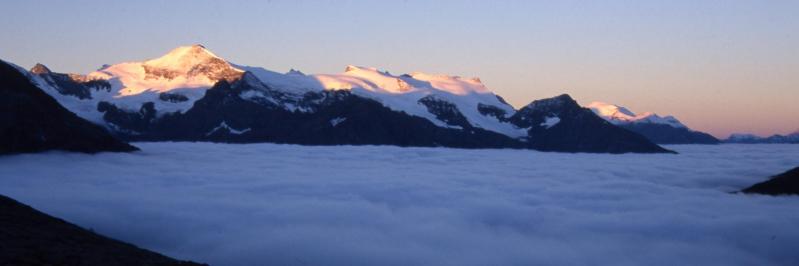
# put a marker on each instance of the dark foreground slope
(32, 121)
(30, 237)
(783, 184)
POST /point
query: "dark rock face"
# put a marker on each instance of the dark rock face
(215, 69)
(783, 184)
(333, 118)
(32, 121)
(172, 97)
(577, 129)
(70, 84)
(29, 237)
(151, 72)
(490, 110)
(666, 134)
(133, 122)
(445, 111)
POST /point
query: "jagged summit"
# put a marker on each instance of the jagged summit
(530, 114)
(40, 69)
(295, 72)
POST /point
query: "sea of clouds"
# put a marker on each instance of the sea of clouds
(268, 204)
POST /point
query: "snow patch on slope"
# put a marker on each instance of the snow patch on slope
(550, 121)
(224, 125)
(338, 120)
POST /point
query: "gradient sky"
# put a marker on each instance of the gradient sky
(719, 66)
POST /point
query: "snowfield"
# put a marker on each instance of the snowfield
(268, 204)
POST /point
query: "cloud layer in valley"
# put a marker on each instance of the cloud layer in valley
(265, 204)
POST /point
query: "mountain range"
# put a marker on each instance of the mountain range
(792, 138)
(191, 94)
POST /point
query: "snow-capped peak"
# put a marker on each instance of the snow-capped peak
(621, 115)
(612, 111)
(183, 58)
(184, 67)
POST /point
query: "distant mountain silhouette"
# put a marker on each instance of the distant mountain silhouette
(792, 138)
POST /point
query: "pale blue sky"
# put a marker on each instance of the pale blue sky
(720, 66)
